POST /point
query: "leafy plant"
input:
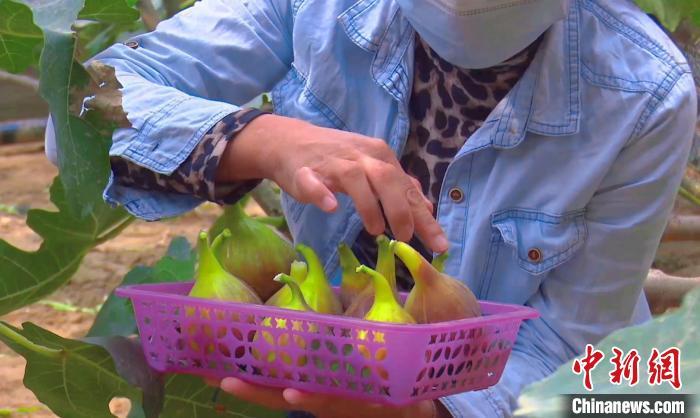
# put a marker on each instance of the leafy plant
(79, 378)
(83, 220)
(116, 316)
(677, 329)
(671, 12)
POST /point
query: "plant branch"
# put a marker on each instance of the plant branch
(20, 80)
(664, 291)
(683, 228)
(268, 199)
(684, 193)
(23, 341)
(149, 14)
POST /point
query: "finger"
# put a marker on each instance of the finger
(350, 177)
(268, 397)
(327, 406)
(419, 186)
(308, 188)
(426, 226)
(390, 185)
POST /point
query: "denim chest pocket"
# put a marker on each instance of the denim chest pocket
(526, 244)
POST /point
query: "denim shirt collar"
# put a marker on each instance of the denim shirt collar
(545, 101)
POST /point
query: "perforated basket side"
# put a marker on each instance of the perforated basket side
(386, 363)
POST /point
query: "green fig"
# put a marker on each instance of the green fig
(213, 281)
(353, 283)
(435, 297)
(384, 307)
(439, 262)
(386, 266)
(298, 273)
(316, 290)
(256, 254)
(296, 302)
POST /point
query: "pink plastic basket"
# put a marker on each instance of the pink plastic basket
(391, 364)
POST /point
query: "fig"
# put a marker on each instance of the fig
(213, 281)
(296, 301)
(386, 266)
(256, 253)
(316, 290)
(384, 307)
(353, 283)
(435, 297)
(298, 273)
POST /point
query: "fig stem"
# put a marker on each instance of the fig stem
(294, 287)
(220, 239)
(410, 257)
(382, 290)
(298, 271)
(439, 262)
(348, 262)
(315, 269)
(235, 211)
(385, 260)
(209, 266)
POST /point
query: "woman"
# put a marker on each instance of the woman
(542, 142)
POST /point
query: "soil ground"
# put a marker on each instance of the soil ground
(24, 179)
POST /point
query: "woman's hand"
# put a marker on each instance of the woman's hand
(324, 406)
(311, 163)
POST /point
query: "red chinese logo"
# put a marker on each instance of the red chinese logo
(661, 366)
(665, 367)
(587, 364)
(625, 368)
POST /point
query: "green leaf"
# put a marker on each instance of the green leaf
(83, 220)
(19, 37)
(131, 364)
(116, 316)
(187, 397)
(680, 328)
(111, 11)
(77, 380)
(670, 12)
(82, 150)
(27, 277)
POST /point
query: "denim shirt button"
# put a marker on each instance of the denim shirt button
(456, 194)
(535, 255)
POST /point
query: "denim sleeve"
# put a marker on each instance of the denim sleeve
(182, 79)
(196, 176)
(600, 289)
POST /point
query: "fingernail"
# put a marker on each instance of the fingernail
(230, 384)
(328, 203)
(292, 396)
(441, 244)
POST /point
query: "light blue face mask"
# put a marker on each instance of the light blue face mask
(481, 33)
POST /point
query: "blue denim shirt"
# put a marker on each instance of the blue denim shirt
(566, 188)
